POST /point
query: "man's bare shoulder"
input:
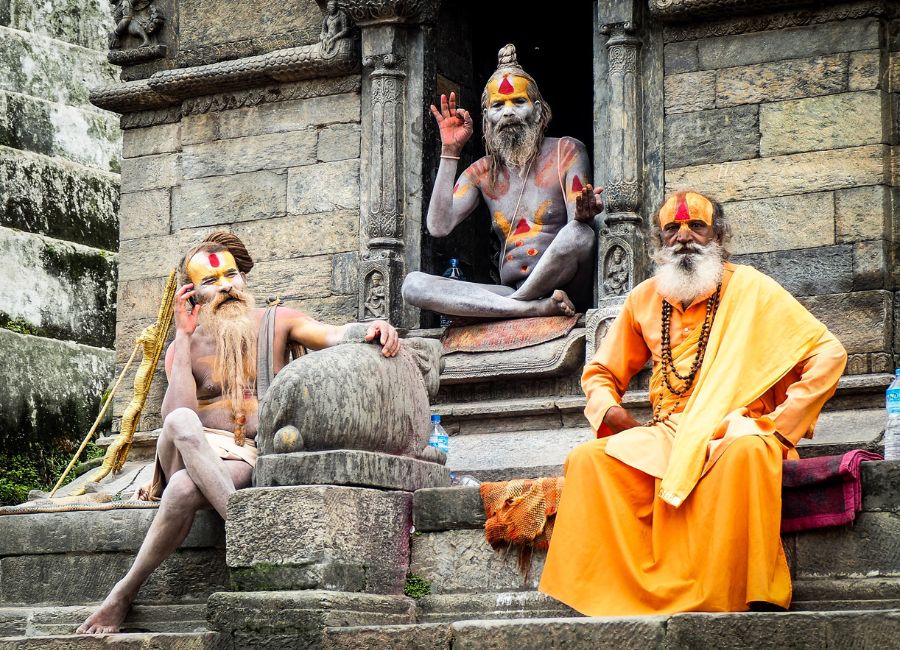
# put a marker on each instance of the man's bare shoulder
(478, 170)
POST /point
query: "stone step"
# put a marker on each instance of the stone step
(58, 198)
(138, 641)
(54, 621)
(852, 629)
(85, 24)
(50, 69)
(89, 137)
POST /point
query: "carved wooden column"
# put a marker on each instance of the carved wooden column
(391, 167)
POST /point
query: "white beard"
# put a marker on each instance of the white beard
(681, 278)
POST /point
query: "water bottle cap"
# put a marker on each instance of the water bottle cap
(435, 418)
(454, 261)
(897, 372)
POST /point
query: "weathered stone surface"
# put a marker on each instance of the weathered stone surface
(860, 213)
(292, 279)
(146, 213)
(690, 91)
(680, 57)
(344, 273)
(324, 187)
(58, 198)
(228, 199)
(864, 70)
(106, 531)
(643, 633)
(712, 136)
(776, 45)
(816, 123)
(426, 636)
(874, 588)
(58, 289)
(520, 449)
(49, 69)
(867, 547)
(349, 467)
(133, 641)
(154, 256)
(789, 79)
(807, 271)
(188, 575)
(300, 235)
(297, 526)
(448, 561)
(289, 116)
(781, 175)
(60, 19)
(870, 265)
(151, 140)
(336, 310)
(861, 320)
(248, 154)
(338, 142)
(87, 137)
(42, 409)
(881, 486)
(149, 172)
(447, 508)
(781, 223)
(504, 605)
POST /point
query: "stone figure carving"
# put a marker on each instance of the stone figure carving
(375, 297)
(335, 26)
(138, 18)
(616, 282)
(539, 197)
(347, 398)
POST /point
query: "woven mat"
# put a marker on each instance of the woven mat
(502, 335)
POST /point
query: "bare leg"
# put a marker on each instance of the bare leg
(566, 259)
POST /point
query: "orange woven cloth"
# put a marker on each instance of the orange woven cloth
(520, 513)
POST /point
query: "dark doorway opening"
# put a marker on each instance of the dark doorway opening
(555, 46)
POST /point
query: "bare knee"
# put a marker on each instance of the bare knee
(182, 493)
(413, 286)
(182, 426)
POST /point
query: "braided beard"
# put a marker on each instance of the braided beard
(229, 321)
(683, 277)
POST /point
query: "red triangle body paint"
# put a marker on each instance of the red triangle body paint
(213, 260)
(522, 227)
(576, 184)
(506, 88)
(683, 213)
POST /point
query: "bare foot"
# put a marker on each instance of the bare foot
(559, 304)
(109, 616)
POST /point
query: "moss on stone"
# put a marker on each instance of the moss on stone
(416, 586)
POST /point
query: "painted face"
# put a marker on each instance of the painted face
(686, 216)
(508, 100)
(213, 272)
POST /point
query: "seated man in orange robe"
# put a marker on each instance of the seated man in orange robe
(683, 513)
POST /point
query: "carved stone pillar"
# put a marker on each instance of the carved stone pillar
(391, 168)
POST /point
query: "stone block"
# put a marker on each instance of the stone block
(84, 24)
(140, 299)
(199, 128)
(447, 508)
(870, 265)
(712, 136)
(781, 223)
(816, 123)
(881, 486)
(808, 271)
(427, 636)
(153, 256)
(300, 235)
(782, 175)
(229, 199)
(298, 526)
(344, 273)
(149, 172)
(349, 467)
(88, 137)
(868, 547)
(780, 80)
(248, 154)
(689, 91)
(680, 57)
(151, 140)
(492, 451)
(292, 115)
(503, 605)
(795, 43)
(57, 198)
(733, 631)
(189, 575)
(462, 561)
(861, 320)
(133, 641)
(864, 70)
(860, 213)
(338, 142)
(293, 279)
(50, 69)
(639, 633)
(324, 187)
(60, 290)
(146, 213)
(335, 310)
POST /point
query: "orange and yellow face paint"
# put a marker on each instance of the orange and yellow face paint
(508, 88)
(205, 265)
(684, 207)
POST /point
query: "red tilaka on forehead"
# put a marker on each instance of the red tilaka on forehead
(683, 213)
(214, 260)
(506, 88)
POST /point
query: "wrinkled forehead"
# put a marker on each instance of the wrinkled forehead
(684, 207)
(205, 264)
(509, 86)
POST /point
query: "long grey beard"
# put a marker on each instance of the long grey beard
(515, 145)
(233, 329)
(681, 278)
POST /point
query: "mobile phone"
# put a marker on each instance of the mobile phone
(192, 301)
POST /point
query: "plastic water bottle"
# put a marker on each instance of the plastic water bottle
(454, 273)
(892, 430)
(438, 438)
(463, 480)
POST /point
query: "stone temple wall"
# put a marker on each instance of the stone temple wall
(59, 186)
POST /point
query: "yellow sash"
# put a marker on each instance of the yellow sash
(759, 333)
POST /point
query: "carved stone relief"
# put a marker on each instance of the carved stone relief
(375, 302)
(136, 20)
(596, 326)
(670, 9)
(617, 269)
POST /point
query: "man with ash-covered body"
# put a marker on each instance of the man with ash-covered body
(683, 513)
(539, 197)
(206, 449)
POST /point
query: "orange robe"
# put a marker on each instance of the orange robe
(618, 547)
